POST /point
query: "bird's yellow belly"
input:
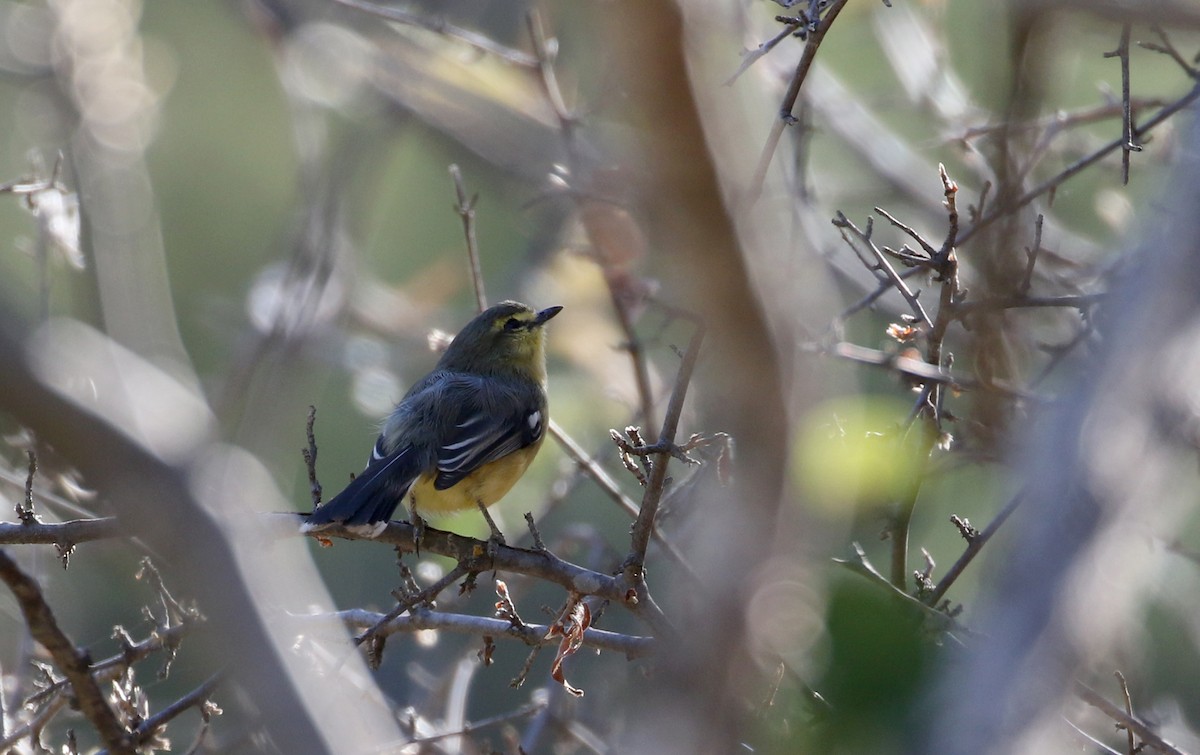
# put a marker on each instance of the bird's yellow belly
(486, 485)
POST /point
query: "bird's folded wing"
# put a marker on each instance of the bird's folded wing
(491, 420)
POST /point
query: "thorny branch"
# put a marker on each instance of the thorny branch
(644, 525)
(974, 545)
(881, 263)
(112, 667)
(818, 28)
(473, 555)
(609, 486)
(1127, 134)
(930, 371)
(1050, 184)
(198, 698)
(72, 662)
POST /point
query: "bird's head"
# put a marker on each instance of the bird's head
(506, 337)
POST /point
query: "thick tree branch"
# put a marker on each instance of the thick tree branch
(62, 534)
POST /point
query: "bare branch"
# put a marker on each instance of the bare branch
(1132, 749)
(43, 625)
(816, 35)
(1150, 739)
(197, 698)
(465, 207)
(1169, 49)
(424, 596)
(1128, 145)
(974, 545)
(644, 526)
(610, 487)
(632, 646)
(1031, 255)
(441, 26)
(1080, 165)
(62, 534)
(750, 57)
(897, 281)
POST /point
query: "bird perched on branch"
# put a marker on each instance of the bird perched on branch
(464, 434)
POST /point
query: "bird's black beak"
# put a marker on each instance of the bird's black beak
(545, 315)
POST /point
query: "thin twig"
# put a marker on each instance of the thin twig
(1081, 302)
(897, 281)
(472, 726)
(544, 52)
(534, 532)
(1089, 739)
(465, 207)
(424, 596)
(882, 288)
(1128, 145)
(1149, 738)
(1128, 705)
(1031, 255)
(1007, 208)
(911, 232)
(750, 57)
(930, 405)
(904, 365)
(112, 667)
(975, 545)
(441, 26)
(197, 698)
(533, 635)
(1167, 48)
(644, 526)
(37, 722)
(1060, 121)
(950, 202)
(815, 36)
(862, 566)
(606, 483)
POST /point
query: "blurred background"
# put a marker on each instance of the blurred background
(255, 199)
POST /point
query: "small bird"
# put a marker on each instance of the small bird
(464, 434)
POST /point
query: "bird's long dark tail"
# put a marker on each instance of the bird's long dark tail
(372, 496)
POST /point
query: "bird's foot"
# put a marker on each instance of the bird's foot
(418, 525)
(497, 537)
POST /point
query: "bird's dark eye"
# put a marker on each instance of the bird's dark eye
(512, 324)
